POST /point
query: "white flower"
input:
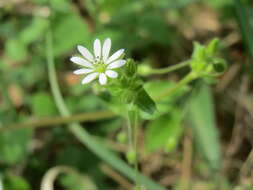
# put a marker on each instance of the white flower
(100, 65)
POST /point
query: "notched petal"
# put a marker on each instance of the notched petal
(102, 79)
(115, 56)
(111, 74)
(89, 78)
(116, 64)
(85, 53)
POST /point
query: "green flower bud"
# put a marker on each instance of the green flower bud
(131, 157)
(144, 69)
(212, 47)
(219, 65)
(170, 145)
(122, 137)
(199, 52)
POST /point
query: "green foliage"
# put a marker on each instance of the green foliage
(150, 33)
(13, 182)
(129, 90)
(14, 146)
(69, 31)
(205, 60)
(17, 48)
(201, 116)
(43, 104)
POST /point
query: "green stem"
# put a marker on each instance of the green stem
(188, 78)
(170, 68)
(82, 135)
(133, 137)
(130, 132)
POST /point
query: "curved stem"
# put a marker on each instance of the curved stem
(188, 78)
(170, 68)
(82, 135)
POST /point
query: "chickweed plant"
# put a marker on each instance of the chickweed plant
(117, 80)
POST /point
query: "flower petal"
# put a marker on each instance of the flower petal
(106, 49)
(111, 74)
(89, 78)
(86, 53)
(116, 64)
(115, 56)
(83, 71)
(81, 61)
(102, 79)
(97, 48)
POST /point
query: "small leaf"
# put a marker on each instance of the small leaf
(144, 102)
(164, 132)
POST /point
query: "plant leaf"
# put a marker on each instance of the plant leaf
(201, 116)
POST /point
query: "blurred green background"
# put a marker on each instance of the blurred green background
(201, 136)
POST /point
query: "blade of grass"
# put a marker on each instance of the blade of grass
(1, 183)
(82, 135)
(202, 119)
(244, 14)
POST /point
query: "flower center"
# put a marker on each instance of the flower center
(100, 66)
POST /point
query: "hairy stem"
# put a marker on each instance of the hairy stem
(170, 68)
(133, 144)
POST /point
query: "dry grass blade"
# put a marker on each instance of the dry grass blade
(50, 177)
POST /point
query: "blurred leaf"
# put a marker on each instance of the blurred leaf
(245, 20)
(43, 104)
(201, 116)
(13, 145)
(146, 24)
(219, 3)
(16, 183)
(69, 31)
(35, 30)
(16, 50)
(164, 132)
